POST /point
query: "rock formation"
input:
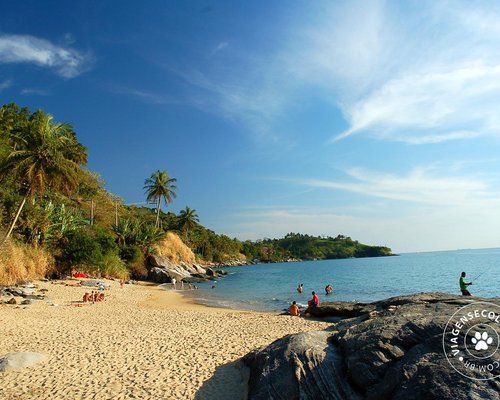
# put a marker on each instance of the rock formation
(390, 349)
(162, 270)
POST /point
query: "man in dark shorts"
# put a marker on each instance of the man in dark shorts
(463, 285)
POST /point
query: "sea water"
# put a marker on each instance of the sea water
(272, 287)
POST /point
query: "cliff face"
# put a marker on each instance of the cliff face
(392, 349)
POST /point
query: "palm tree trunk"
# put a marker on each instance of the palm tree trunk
(11, 227)
(157, 212)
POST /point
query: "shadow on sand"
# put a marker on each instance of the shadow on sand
(228, 382)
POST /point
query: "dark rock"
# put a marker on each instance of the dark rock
(159, 275)
(211, 272)
(12, 300)
(27, 302)
(391, 349)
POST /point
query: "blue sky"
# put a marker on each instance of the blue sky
(379, 120)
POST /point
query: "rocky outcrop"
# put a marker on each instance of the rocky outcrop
(391, 349)
(162, 270)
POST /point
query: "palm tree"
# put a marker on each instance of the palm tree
(160, 185)
(43, 155)
(188, 219)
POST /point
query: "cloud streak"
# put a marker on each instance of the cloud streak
(65, 61)
(421, 186)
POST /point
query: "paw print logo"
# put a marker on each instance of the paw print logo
(481, 341)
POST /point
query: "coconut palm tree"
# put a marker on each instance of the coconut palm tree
(160, 186)
(188, 218)
(44, 155)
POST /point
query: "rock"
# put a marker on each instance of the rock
(20, 360)
(159, 275)
(162, 270)
(12, 300)
(211, 272)
(27, 302)
(391, 349)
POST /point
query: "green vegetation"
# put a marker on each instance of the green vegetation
(56, 216)
(305, 247)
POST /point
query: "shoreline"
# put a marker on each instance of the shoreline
(140, 342)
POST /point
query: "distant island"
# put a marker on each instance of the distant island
(296, 246)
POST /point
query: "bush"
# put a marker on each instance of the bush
(19, 263)
(81, 251)
(113, 266)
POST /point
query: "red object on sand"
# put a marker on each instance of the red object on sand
(79, 275)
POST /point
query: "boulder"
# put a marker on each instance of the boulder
(391, 349)
(12, 300)
(160, 262)
(20, 360)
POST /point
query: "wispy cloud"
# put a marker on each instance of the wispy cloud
(35, 92)
(67, 62)
(145, 96)
(421, 185)
(421, 73)
(5, 85)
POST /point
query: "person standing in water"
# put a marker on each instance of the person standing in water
(463, 285)
(300, 288)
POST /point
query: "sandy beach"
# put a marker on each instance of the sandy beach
(140, 343)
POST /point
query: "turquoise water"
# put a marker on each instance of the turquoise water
(271, 287)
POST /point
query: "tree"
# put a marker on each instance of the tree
(160, 186)
(43, 155)
(188, 218)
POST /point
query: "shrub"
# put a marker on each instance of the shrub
(113, 266)
(19, 262)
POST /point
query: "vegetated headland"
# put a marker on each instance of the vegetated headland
(57, 217)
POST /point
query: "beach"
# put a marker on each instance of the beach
(141, 342)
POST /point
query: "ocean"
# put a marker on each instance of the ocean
(272, 287)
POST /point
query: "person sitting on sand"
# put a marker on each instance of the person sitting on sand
(86, 297)
(463, 285)
(313, 303)
(294, 309)
(328, 289)
(100, 297)
(300, 288)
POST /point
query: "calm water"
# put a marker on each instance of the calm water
(272, 287)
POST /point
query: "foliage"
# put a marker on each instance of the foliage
(160, 186)
(307, 247)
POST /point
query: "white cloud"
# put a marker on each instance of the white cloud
(34, 91)
(5, 85)
(67, 62)
(421, 185)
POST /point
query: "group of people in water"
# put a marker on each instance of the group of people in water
(294, 309)
(173, 285)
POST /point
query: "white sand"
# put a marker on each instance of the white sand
(140, 343)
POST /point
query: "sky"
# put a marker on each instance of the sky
(378, 120)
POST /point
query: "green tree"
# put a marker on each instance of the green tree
(43, 155)
(160, 186)
(188, 218)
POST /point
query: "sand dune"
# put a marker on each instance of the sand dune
(140, 343)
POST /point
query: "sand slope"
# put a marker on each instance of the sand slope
(140, 343)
